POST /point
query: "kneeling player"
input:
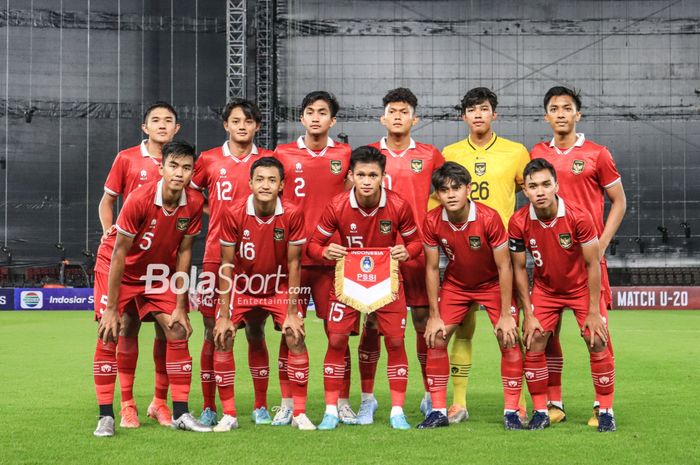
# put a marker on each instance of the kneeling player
(367, 216)
(479, 271)
(562, 240)
(157, 226)
(263, 237)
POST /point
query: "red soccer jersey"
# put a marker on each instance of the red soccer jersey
(226, 179)
(132, 168)
(358, 227)
(469, 246)
(157, 232)
(555, 246)
(584, 172)
(312, 179)
(409, 173)
(261, 244)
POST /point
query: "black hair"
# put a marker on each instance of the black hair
(177, 149)
(266, 162)
(539, 164)
(479, 95)
(367, 154)
(249, 109)
(556, 91)
(321, 95)
(159, 104)
(451, 173)
(401, 94)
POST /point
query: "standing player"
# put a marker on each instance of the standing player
(562, 241)
(315, 167)
(157, 227)
(409, 165)
(263, 236)
(367, 216)
(587, 174)
(222, 171)
(473, 237)
(496, 165)
(132, 168)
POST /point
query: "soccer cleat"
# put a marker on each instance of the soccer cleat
(283, 417)
(346, 415)
(511, 421)
(606, 423)
(187, 422)
(227, 423)
(556, 414)
(105, 427)
(593, 421)
(160, 413)
(426, 406)
(302, 422)
(329, 422)
(457, 414)
(261, 416)
(540, 420)
(399, 422)
(435, 419)
(208, 417)
(365, 416)
(129, 415)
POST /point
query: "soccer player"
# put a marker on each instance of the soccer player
(262, 236)
(496, 165)
(367, 216)
(152, 239)
(587, 174)
(222, 171)
(316, 168)
(473, 237)
(132, 168)
(409, 165)
(562, 240)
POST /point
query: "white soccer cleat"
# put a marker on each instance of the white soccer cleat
(187, 422)
(302, 422)
(283, 417)
(346, 415)
(105, 427)
(227, 423)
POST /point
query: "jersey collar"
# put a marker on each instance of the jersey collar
(493, 140)
(355, 205)
(470, 217)
(227, 153)
(302, 145)
(561, 211)
(384, 146)
(159, 196)
(145, 154)
(580, 139)
(250, 208)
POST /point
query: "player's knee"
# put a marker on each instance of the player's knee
(598, 344)
(393, 343)
(296, 346)
(338, 341)
(130, 325)
(255, 332)
(176, 333)
(440, 342)
(419, 315)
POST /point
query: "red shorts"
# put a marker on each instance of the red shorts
(548, 308)
(100, 296)
(455, 303)
(319, 280)
(413, 274)
(133, 298)
(255, 308)
(391, 319)
(209, 298)
(605, 284)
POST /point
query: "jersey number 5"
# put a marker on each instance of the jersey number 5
(147, 241)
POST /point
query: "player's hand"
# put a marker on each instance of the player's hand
(294, 324)
(106, 233)
(434, 328)
(334, 252)
(399, 252)
(508, 329)
(530, 328)
(110, 323)
(180, 316)
(222, 329)
(596, 325)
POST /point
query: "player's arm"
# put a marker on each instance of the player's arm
(106, 212)
(108, 329)
(530, 324)
(412, 242)
(506, 324)
(319, 247)
(594, 321)
(293, 322)
(223, 327)
(182, 265)
(434, 327)
(618, 207)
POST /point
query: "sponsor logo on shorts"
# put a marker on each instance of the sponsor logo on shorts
(565, 240)
(577, 166)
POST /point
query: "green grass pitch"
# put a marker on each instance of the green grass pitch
(48, 409)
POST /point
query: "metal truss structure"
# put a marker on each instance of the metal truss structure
(265, 70)
(235, 49)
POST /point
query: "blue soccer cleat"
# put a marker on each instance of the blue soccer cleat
(329, 422)
(208, 417)
(539, 420)
(399, 422)
(426, 406)
(511, 421)
(435, 419)
(261, 416)
(365, 416)
(606, 423)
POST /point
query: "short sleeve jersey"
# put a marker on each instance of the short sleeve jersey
(584, 172)
(131, 168)
(226, 179)
(261, 243)
(469, 247)
(555, 246)
(312, 179)
(496, 170)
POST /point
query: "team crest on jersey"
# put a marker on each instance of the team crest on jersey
(577, 167)
(565, 240)
(336, 166)
(278, 234)
(385, 226)
(480, 169)
(416, 166)
(182, 223)
(367, 264)
(474, 242)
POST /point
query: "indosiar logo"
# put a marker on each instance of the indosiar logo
(32, 300)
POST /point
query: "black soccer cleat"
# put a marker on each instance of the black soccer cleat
(435, 419)
(539, 420)
(606, 423)
(511, 421)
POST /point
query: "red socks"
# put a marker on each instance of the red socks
(368, 352)
(127, 355)
(536, 377)
(603, 372)
(397, 369)
(161, 384)
(422, 350)
(285, 386)
(347, 375)
(555, 365)
(104, 371)
(437, 374)
(511, 376)
(334, 366)
(179, 367)
(207, 375)
(298, 373)
(259, 363)
(224, 374)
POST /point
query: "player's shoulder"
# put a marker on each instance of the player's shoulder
(291, 209)
(285, 149)
(427, 149)
(508, 145)
(434, 215)
(395, 199)
(520, 215)
(540, 149)
(263, 152)
(194, 196)
(486, 212)
(376, 144)
(575, 211)
(212, 153)
(339, 200)
(130, 152)
(593, 148)
(342, 148)
(456, 148)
